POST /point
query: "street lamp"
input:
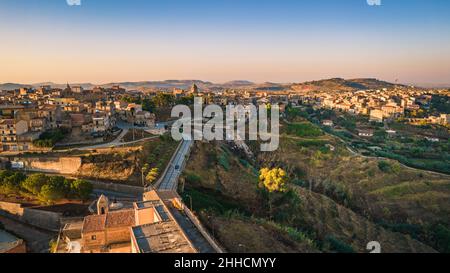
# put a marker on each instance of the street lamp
(190, 198)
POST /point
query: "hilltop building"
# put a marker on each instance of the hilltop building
(194, 89)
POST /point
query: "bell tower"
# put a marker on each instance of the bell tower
(102, 205)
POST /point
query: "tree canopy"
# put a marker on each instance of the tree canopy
(273, 180)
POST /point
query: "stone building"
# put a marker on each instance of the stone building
(148, 227)
(194, 89)
(107, 231)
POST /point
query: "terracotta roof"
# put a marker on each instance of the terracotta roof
(94, 223)
(7, 122)
(122, 218)
(48, 107)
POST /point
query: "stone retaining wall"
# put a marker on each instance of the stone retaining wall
(35, 217)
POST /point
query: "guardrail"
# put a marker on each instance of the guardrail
(191, 216)
(214, 244)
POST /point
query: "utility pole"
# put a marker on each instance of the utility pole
(190, 198)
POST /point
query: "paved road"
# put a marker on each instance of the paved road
(169, 182)
(106, 145)
(170, 179)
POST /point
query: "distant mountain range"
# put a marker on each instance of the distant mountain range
(142, 85)
(320, 85)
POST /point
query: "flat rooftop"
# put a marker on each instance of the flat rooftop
(148, 204)
(162, 237)
(165, 236)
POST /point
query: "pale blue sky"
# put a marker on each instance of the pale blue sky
(220, 40)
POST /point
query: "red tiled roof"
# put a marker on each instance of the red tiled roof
(94, 223)
(122, 218)
(7, 121)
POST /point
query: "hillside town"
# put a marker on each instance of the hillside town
(73, 114)
(384, 104)
(84, 116)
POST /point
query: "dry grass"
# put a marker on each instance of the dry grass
(325, 217)
(315, 213)
(412, 196)
(240, 235)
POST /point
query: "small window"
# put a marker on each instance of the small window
(93, 237)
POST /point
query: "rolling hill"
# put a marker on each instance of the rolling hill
(321, 85)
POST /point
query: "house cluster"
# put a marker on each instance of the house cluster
(378, 104)
(20, 125)
(147, 227)
(442, 119)
(238, 97)
(26, 113)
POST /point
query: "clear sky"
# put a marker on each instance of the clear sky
(220, 40)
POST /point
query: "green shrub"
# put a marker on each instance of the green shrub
(441, 236)
(47, 188)
(338, 246)
(193, 178)
(10, 181)
(50, 138)
(223, 161)
(413, 230)
(304, 130)
(34, 183)
(81, 189)
(385, 166)
(312, 143)
(210, 200)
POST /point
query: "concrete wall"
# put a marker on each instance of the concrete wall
(35, 217)
(43, 219)
(203, 231)
(11, 208)
(59, 165)
(115, 187)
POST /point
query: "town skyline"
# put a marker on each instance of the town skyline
(240, 82)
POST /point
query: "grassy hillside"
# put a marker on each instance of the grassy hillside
(343, 85)
(223, 188)
(399, 198)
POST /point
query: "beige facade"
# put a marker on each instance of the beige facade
(376, 115)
